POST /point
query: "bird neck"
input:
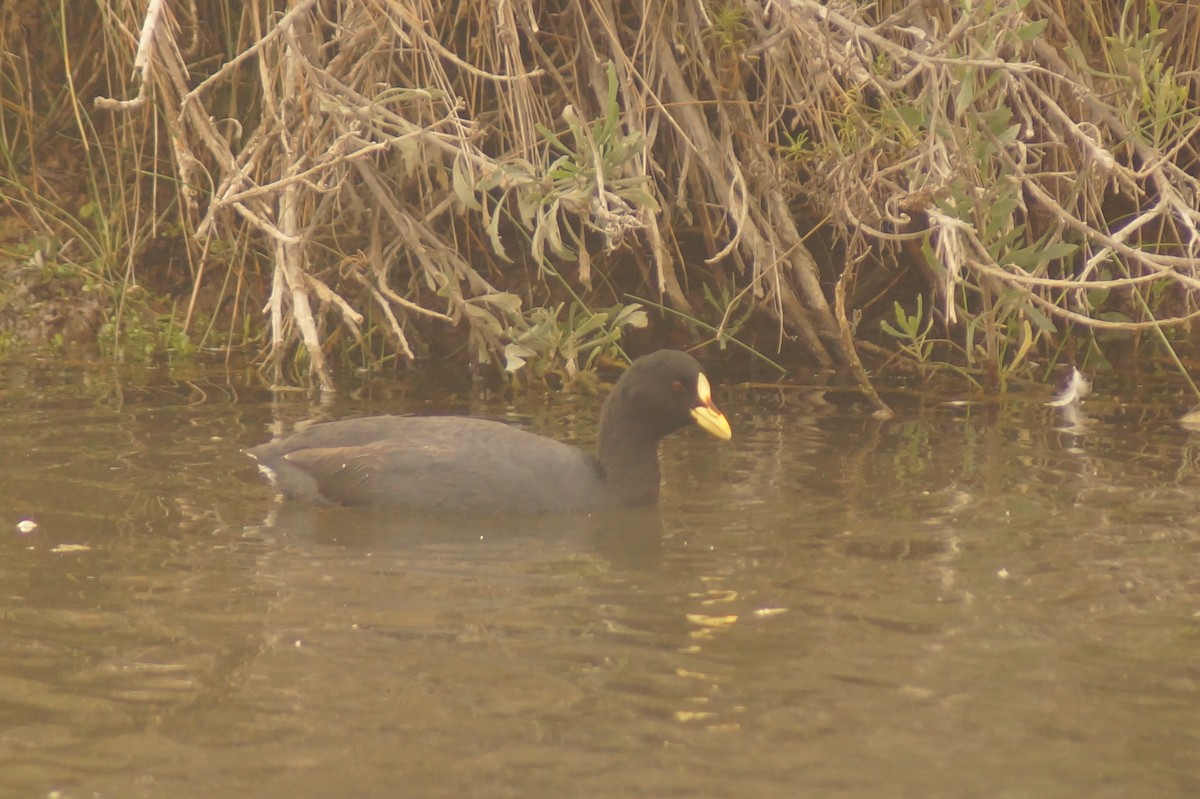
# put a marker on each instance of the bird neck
(628, 454)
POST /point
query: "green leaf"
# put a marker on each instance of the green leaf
(990, 81)
(999, 213)
(1027, 33)
(552, 138)
(484, 320)
(641, 198)
(504, 300)
(493, 229)
(1009, 134)
(612, 111)
(1060, 249)
(563, 168)
(1039, 319)
(996, 121)
(1025, 258)
(912, 116)
(537, 243)
(594, 322)
(966, 91)
(462, 187)
(1097, 297)
(516, 356)
(631, 315)
(554, 233)
(931, 259)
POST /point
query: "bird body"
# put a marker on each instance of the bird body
(437, 463)
(446, 464)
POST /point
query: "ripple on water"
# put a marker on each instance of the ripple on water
(954, 603)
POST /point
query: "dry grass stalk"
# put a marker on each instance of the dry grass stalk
(415, 132)
(981, 109)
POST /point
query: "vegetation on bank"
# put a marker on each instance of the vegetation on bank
(988, 188)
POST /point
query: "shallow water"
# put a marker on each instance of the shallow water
(965, 601)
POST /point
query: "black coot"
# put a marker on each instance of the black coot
(461, 465)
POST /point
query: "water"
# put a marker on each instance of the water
(968, 601)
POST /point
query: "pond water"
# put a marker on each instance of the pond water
(966, 601)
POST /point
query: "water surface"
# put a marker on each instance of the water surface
(965, 601)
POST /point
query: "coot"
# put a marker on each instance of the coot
(462, 465)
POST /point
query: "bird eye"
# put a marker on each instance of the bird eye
(677, 385)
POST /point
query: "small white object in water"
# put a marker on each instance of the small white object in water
(1191, 419)
(26, 526)
(1077, 388)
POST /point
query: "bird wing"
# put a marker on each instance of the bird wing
(464, 474)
